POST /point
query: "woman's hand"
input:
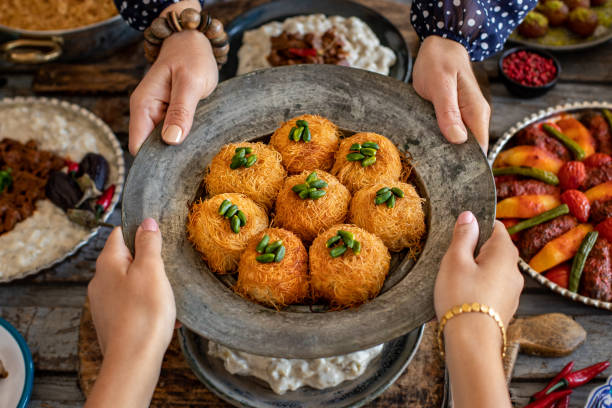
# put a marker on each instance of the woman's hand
(473, 340)
(443, 75)
(185, 72)
(133, 310)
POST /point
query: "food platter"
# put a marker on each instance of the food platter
(248, 392)
(601, 36)
(279, 10)
(164, 180)
(497, 148)
(71, 115)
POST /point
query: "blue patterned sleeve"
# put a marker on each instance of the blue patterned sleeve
(481, 26)
(140, 13)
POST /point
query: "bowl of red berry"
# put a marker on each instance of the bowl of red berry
(528, 72)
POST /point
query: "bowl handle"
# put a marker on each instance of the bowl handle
(32, 51)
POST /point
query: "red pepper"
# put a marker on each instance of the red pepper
(580, 377)
(565, 371)
(303, 52)
(104, 200)
(563, 403)
(549, 400)
(73, 167)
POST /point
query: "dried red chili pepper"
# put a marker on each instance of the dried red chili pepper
(303, 52)
(104, 201)
(73, 167)
(580, 377)
(565, 371)
(549, 400)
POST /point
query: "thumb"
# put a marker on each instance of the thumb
(184, 97)
(446, 104)
(465, 238)
(148, 242)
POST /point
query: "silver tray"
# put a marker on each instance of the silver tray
(499, 145)
(104, 133)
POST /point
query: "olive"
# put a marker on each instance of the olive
(63, 190)
(96, 166)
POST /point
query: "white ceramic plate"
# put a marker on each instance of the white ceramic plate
(15, 389)
(105, 139)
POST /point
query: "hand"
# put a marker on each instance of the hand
(185, 72)
(131, 300)
(492, 278)
(443, 75)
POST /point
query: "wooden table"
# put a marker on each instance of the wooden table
(46, 308)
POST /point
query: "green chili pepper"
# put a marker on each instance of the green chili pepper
(542, 175)
(225, 205)
(263, 244)
(539, 219)
(574, 147)
(580, 258)
(608, 115)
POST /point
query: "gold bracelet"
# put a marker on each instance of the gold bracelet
(189, 19)
(470, 308)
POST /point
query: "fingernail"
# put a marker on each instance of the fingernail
(149, 224)
(456, 134)
(172, 134)
(465, 217)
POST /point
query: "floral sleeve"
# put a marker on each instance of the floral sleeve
(140, 13)
(481, 26)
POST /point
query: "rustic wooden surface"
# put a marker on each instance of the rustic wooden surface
(46, 308)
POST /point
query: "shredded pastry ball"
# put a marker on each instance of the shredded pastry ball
(44, 15)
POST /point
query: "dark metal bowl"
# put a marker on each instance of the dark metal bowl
(520, 89)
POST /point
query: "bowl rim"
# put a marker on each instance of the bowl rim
(64, 31)
(538, 51)
(497, 148)
(27, 360)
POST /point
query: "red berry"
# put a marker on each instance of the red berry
(597, 160)
(572, 175)
(559, 275)
(578, 204)
(605, 229)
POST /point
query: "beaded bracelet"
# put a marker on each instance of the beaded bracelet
(189, 19)
(470, 308)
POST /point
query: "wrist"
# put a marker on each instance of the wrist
(473, 332)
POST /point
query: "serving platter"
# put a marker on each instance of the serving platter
(249, 392)
(104, 137)
(280, 10)
(602, 35)
(17, 360)
(163, 180)
(574, 107)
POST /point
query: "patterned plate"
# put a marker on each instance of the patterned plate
(536, 117)
(104, 136)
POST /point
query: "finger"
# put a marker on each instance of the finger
(475, 110)
(115, 257)
(448, 114)
(465, 237)
(498, 247)
(184, 97)
(148, 243)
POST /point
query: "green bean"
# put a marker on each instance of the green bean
(539, 219)
(574, 147)
(369, 161)
(315, 195)
(311, 177)
(391, 202)
(383, 197)
(235, 224)
(318, 184)
(354, 156)
(539, 174)
(357, 247)
(263, 244)
(251, 160)
(399, 193)
(371, 145)
(265, 258)
(280, 254)
(299, 187)
(608, 115)
(242, 217)
(231, 211)
(580, 259)
(337, 251)
(224, 206)
(330, 242)
(273, 246)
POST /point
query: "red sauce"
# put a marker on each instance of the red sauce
(529, 69)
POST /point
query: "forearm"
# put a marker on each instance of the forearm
(473, 358)
(126, 380)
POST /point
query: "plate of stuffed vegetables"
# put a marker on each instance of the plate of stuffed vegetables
(553, 176)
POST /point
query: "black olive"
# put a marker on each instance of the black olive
(63, 190)
(96, 167)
